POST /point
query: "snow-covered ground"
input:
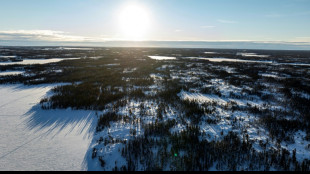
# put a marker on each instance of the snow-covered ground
(36, 139)
(201, 97)
(5, 73)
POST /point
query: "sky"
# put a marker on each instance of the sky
(264, 21)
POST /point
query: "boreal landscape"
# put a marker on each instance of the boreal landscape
(171, 109)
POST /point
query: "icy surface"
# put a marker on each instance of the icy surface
(210, 52)
(36, 139)
(36, 61)
(247, 61)
(162, 58)
(228, 60)
(252, 55)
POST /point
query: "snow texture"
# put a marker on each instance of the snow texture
(36, 139)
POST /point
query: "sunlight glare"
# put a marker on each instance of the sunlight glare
(134, 23)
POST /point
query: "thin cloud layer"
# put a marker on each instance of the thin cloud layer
(56, 38)
(41, 35)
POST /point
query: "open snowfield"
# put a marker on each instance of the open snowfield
(35, 139)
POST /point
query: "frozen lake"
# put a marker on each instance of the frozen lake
(228, 60)
(162, 58)
(36, 61)
(34, 139)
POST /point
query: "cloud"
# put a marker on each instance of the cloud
(206, 27)
(41, 35)
(302, 39)
(227, 21)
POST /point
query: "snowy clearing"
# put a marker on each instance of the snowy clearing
(6, 73)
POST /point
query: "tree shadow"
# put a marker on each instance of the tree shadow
(53, 122)
(49, 126)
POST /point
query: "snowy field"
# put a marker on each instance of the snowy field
(35, 139)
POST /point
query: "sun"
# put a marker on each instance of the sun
(134, 22)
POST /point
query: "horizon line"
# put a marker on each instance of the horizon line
(223, 44)
(103, 41)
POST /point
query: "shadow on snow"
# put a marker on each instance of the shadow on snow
(55, 121)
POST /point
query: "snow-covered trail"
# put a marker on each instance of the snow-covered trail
(35, 139)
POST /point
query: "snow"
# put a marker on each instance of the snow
(252, 55)
(210, 52)
(112, 64)
(201, 97)
(36, 139)
(164, 67)
(228, 60)
(110, 152)
(36, 61)
(178, 128)
(6, 73)
(229, 69)
(269, 75)
(162, 58)
(66, 48)
(245, 121)
(248, 61)
(7, 57)
(129, 70)
(95, 58)
(294, 64)
(156, 76)
(58, 71)
(300, 144)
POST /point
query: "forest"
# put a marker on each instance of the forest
(190, 113)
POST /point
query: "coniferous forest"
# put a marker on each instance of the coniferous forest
(181, 109)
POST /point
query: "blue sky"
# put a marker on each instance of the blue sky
(173, 20)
